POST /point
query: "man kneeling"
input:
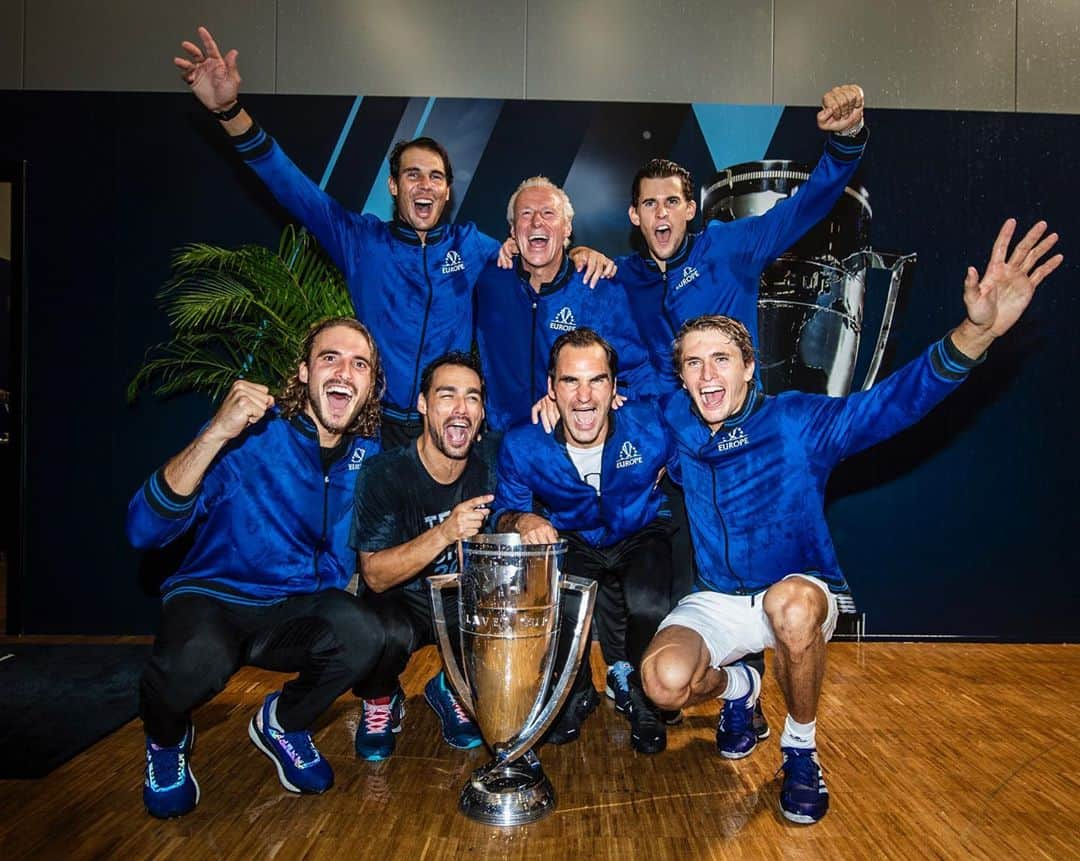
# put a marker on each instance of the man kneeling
(754, 469)
(268, 491)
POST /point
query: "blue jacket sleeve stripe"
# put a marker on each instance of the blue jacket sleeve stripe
(165, 501)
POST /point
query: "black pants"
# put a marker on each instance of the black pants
(328, 637)
(405, 616)
(634, 588)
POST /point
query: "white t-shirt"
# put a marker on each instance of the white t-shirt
(588, 462)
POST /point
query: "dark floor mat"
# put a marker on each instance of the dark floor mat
(57, 700)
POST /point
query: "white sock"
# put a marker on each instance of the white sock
(740, 683)
(799, 734)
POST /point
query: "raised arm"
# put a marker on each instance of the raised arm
(215, 81)
(994, 303)
(769, 235)
(163, 507)
(999, 298)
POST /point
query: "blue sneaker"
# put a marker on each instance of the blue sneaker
(299, 764)
(380, 722)
(170, 788)
(803, 796)
(458, 729)
(618, 685)
(735, 734)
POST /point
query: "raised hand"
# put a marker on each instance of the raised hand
(214, 79)
(467, 518)
(244, 405)
(996, 301)
(841, 108)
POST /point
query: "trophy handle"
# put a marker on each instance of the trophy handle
(900, 274)
(438, 583)
(578, 648)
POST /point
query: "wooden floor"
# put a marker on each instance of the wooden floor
(930, 751)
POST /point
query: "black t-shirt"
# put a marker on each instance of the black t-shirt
(397, 500)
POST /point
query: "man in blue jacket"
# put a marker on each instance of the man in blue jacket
(410, 279)
(268, 492)
(594, 482)
(754, 469)
(680, 275)
(522, 311)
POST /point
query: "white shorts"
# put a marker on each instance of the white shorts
(736, 625)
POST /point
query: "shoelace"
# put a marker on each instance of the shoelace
(621, 672)
(296, 745)
(802, 768)
(152, 771)
(460, 714)
(377, 716)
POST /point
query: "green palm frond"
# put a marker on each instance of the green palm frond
(239, 313)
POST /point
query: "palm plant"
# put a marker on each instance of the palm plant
(240, 313)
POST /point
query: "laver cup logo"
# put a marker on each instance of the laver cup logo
(453, 263)
(628, 455)
(563, 321)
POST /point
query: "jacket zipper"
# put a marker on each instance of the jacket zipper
(411, 405)
(532, 356)
(322, 538)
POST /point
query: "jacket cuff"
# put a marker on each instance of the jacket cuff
(949, 363)
(847, 148)
(165, 501)
(253, 144)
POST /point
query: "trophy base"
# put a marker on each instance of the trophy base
(508, 793)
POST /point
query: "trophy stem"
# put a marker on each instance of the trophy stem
(508, 793)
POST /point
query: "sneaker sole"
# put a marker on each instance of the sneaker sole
(763, 733)
(727, 754)
(472, 745)
(256, 737)
(800, 818)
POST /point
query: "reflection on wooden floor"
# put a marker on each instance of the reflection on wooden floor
(930, 751)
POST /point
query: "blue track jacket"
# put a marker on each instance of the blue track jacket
(415, 297)
(718, 271)
(516, 326)
(269, 522)
(755, 488)
(535, 474)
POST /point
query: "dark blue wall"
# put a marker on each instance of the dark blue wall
(960, 526)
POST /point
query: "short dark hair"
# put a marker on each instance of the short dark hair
(431, 145)
(661, 168)
(583, 337)
(454, 357)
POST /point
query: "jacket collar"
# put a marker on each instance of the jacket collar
(409, 236)
(561, 279)
(676, 259)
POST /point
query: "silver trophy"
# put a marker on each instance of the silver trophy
(810, 308)
(510, 628)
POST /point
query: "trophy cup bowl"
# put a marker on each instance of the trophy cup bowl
(810, 306)
(510, 598)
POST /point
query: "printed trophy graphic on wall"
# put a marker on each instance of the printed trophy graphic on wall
(810, 308)
(511, 631)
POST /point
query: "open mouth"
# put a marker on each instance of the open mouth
(662, 234)
(339, 396)
(423, 207)
(712, 396)
(538, 241)
(584, 418)
(457, 433)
